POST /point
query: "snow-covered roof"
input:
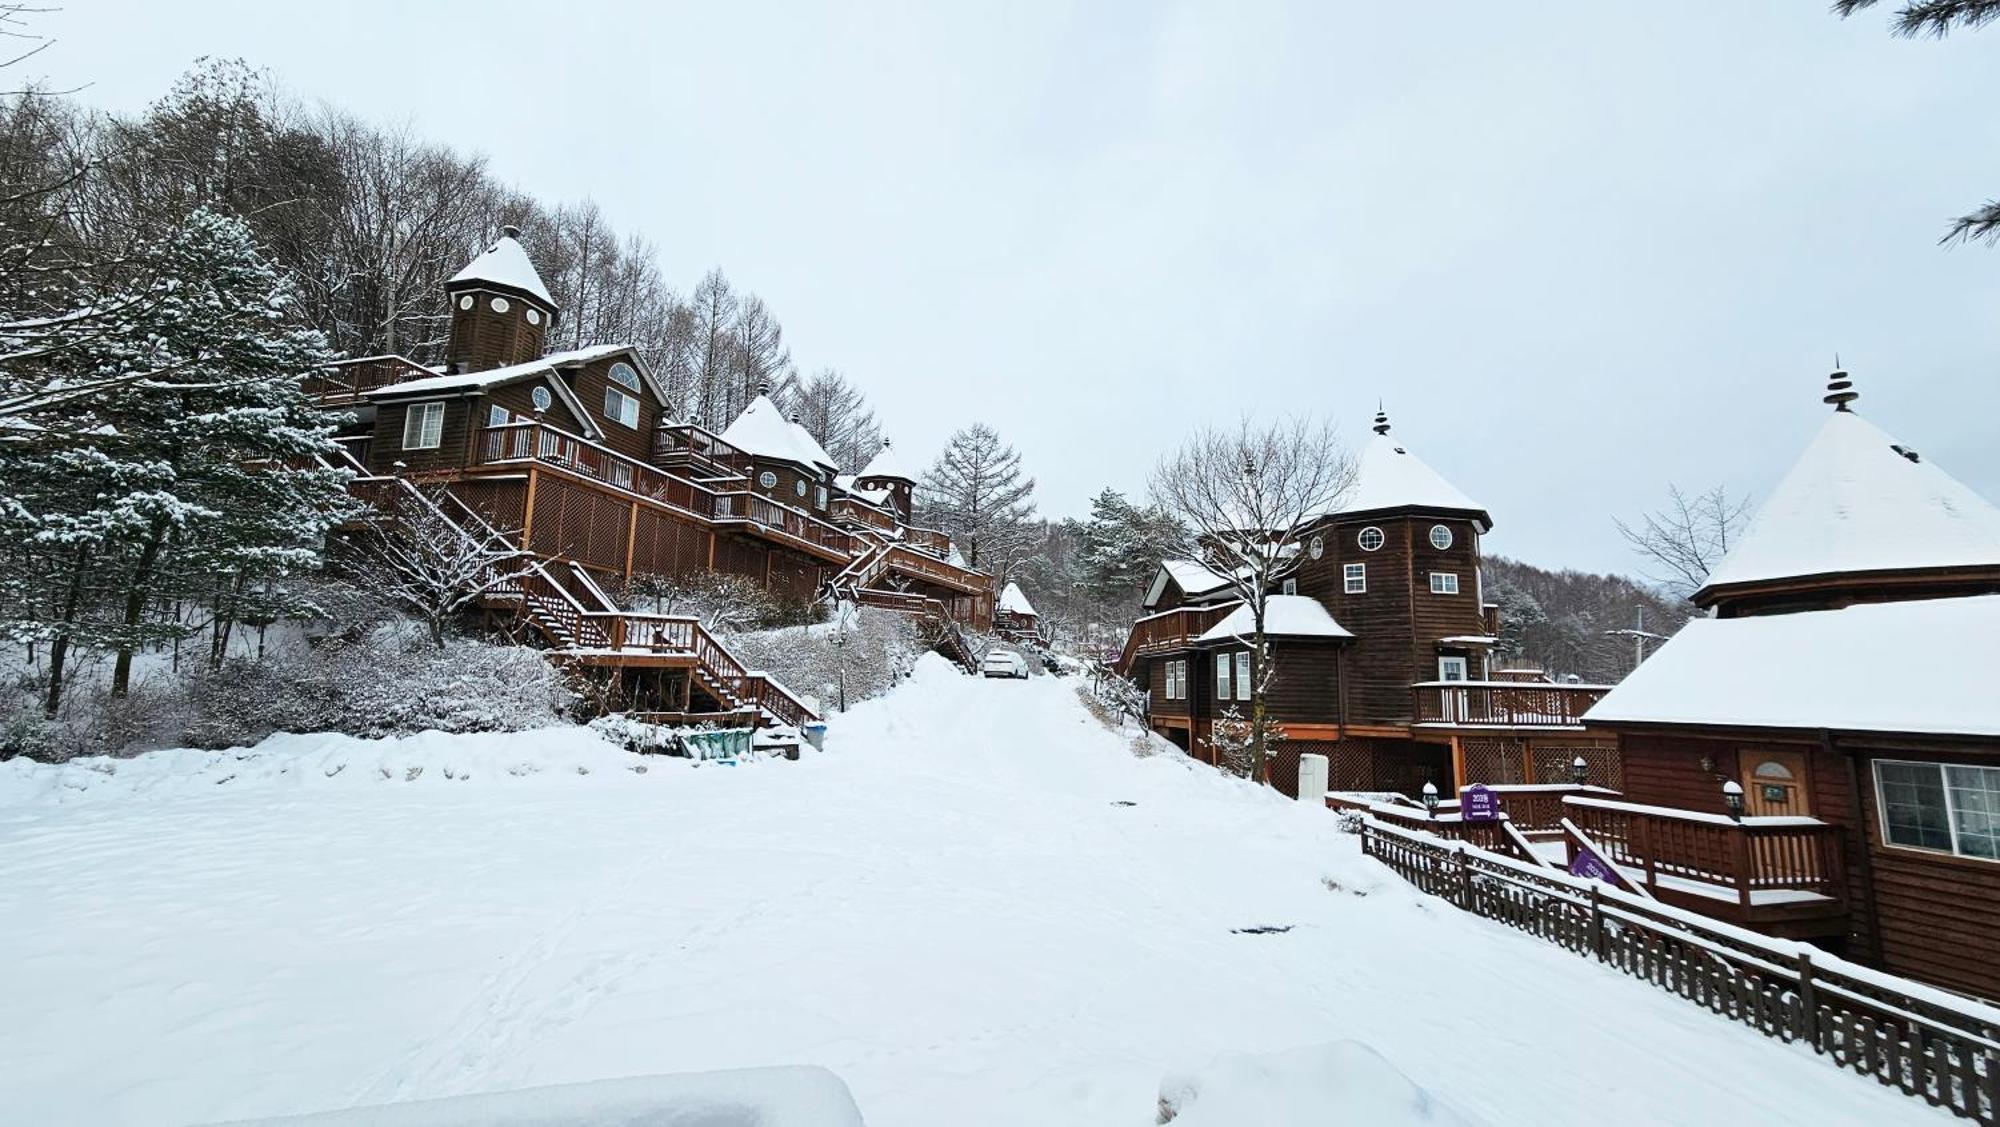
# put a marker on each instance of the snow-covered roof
(1388, 476)
(763, 431)
(1013, 601)
(494, 377)
(811, 447)
(886, 463)
(1193, 577)
(1289, 616)
(1917, 666)
(1854, 503)
(505, 263)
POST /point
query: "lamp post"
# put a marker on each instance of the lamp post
(1579, 771)
(1732, 797)
(1431, 801)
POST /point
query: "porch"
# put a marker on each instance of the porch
(1169, 630)
(1502, 704)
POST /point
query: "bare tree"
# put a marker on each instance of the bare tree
(1248, 493)
(1938, 18)
(424, 561)
(1686, 539)
(836, 414)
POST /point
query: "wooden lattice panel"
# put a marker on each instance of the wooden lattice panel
(1606, 768)
(667, 545)
(1494, 760)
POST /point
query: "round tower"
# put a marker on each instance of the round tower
(500, 310)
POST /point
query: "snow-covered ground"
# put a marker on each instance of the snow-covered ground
(978, 907)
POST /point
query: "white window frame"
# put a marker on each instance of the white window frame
(1444, 531)
(619, 403)
(498, 416)
(1223, 662)
(423, 425)
(1444, 583)
(1950, 808)
(819, 496)
(1243, 675)
(1354, 579)
(1289, 587)
(1361, 539)
(767, 480)
(1463, 664)
(1174, 686)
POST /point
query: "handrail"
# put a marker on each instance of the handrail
(1745, 857)
(1502, 703)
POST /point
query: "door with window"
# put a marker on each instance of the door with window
(1774, 782)
(1454, 701)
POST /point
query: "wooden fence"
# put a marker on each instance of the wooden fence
(1924, 1042)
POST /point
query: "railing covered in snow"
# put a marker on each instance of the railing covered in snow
(1507, 704)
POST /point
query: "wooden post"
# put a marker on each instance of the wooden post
(1808, 1023)
(1742, 865)
(631, 538)
(1464, 880)
(1596, 922)
(1459, 781)
(711, 550)
(1645, 843)
(528, 509)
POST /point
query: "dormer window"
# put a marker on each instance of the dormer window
(1440, 537)
(621, 395)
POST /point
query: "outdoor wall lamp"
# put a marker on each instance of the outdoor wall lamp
(1431, 799)
(1732, 796)
(1579, 771)
(1708, 764)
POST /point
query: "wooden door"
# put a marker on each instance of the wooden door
(1774, 782)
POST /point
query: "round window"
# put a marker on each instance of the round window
(534, 316)
(465, 302)
(1316, 547)
(1370, 538)
(542, 398)
(1440, 537)
(768, 480)
(799, 487)
(499, 305)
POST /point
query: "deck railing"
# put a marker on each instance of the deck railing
(1744, 857)
(927, 540)
(349, 381)
(862, 513)
(1926, 1043)
(1169, 630)
(1510, 704)
(538, 442)
(699, 450)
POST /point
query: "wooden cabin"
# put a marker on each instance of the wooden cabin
(1839, 697)
(1014, 617)
(1392, 676)
(575, 459)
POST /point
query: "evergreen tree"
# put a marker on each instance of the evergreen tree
(976, 493)
(190, 472)
(1122, 545)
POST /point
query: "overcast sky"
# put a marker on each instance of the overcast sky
(1581, 249)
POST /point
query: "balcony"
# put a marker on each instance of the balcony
(1782, 875)
(1170, 630)
(1502, 704)
(347, 382)
(695, 452)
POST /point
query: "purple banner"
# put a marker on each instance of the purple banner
(1592, 867)
(1477, 803)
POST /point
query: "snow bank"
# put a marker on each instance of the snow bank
(1345, 1082)
(323, 758)
(748, 1097)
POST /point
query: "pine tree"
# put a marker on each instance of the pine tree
(975, 492)
(1124, 543)
(190, 470)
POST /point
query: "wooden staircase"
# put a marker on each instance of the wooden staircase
(559, 603)
(940, 630)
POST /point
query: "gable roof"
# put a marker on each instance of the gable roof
(1854, 502)
(1285, 616)
(1920, 666)
(1193, 577)
(886, 463)
(505, 263)
(1014, 601)
(1388, 476)
(763, 431)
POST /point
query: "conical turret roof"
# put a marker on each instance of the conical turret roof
(887, 464)
(1388, 476)
(505, 263)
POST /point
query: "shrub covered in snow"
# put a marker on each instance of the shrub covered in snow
(862, 650)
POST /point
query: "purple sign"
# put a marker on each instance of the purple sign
(1592, 867)
(1478, 803)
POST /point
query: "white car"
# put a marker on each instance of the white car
(1004, 663)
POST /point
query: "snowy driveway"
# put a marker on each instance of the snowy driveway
(952, 909)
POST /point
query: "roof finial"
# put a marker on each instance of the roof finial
(1839, 389)
(763, 387)
(885, 442)
(510, 231)
(1381, 418)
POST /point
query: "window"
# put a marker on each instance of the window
(534, 317)
(496, 416)
(1222, 666)
(1444, 583)
(767, 479)
(819, 497)
(1949, 807)
(542, 398)
(423, 426)
(1440, 537)
(799, 487)
(1370, 538)
(1177, 680)
(1243, 675)
(1354, 578)
(1316, 547)
(465, 302)
(1451, 668)
(1290, 587)
(499, 305)
(621, 395)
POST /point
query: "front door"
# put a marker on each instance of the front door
(1451, 669)
(1774, 782)
(1453, 702)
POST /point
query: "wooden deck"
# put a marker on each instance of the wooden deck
(1502, 704)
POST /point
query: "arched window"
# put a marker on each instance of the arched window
(621, 395)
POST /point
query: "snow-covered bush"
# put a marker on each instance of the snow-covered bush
(722, 601)
(861, 650)
(1235, 748)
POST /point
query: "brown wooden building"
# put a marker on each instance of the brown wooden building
(1840, 693)
(1397, 684)
(574, 459)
